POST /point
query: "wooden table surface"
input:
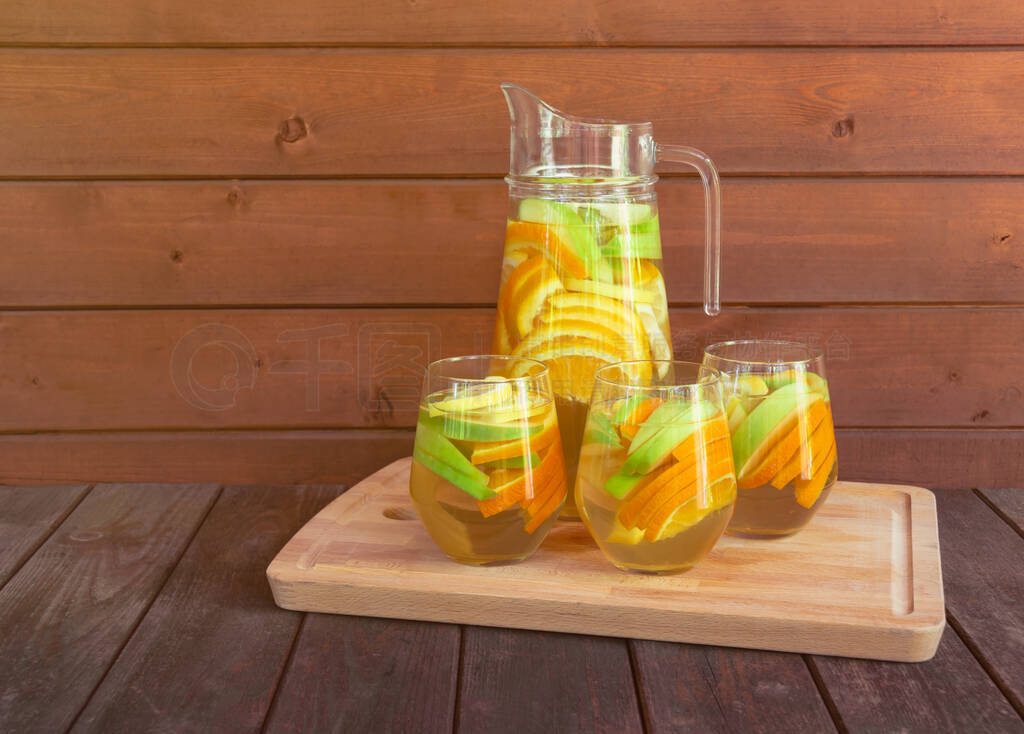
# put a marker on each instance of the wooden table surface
(144, 608)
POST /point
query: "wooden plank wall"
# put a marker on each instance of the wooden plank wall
(228, 241)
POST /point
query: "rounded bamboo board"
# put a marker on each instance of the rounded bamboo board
(862, 580)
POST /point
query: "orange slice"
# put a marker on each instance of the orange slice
(788, 446)
(706, 434)
(686, 482)
(510, 484)
(803, 462)
(545, 239)
(554, 501)
(638, 498)
(675, 517)
(524, 293)
(807, 491)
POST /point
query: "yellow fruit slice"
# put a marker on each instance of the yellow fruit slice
(807, 491)
(627, 536)
(610, 290)
(787, 447)
(520, 235)
(804, 462)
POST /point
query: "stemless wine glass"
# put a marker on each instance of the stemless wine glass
(488, 474)
(783, 440)
(656, 484)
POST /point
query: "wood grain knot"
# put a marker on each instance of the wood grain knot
(292, 130)
(842, 128)
(177, 256)
(236, 196)
(398, 513)
(979, 416)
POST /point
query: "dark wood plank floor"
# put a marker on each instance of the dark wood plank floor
(130, 608)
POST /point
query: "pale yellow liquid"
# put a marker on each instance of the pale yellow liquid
(454, 521)
(679, 553)
(674, 554)
(767, 512)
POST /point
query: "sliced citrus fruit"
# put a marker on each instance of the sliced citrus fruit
(610, 290)
(807, 491)
(787, 447)
(524, 293)
(549, 240)
(687, 482)
(803, 462)
(690, 512)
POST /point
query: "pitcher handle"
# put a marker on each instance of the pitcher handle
(712, 216)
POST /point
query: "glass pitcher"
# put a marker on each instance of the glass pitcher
(581, 282)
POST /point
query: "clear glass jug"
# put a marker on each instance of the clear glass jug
(581, 281)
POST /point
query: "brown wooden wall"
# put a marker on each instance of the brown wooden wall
(229, 240)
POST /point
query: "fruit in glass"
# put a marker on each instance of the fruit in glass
(783, 438)
(656, 483)
(488, 473)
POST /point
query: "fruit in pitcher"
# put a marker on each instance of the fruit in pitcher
(582, 287)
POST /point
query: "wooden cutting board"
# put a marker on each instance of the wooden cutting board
(862, 580)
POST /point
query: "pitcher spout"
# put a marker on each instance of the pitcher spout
(548, 143)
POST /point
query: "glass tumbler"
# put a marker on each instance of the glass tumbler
(656, 484)
(488, 473)
(783, 438)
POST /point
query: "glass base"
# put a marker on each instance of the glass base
(655, 571)
(489, 562)
(763, 534)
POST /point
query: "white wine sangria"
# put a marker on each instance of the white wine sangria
(488, 473)
(581, 287)
(581, 278)
(779, 411)
(656, 483)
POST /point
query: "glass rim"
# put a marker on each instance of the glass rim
(467, 358)
(813, 352)
(714, 376)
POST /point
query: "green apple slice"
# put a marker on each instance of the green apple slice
(767, 423)
(620, 213)
(433, 443)
(468, 485)
(571, 227)
(656, 448)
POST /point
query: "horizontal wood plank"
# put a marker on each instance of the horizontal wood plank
(173, 369)
(715, 689)
(210, 651)
(527, 681)
(29, 515)
(951, 692)
(305, 242)
(939, 459)
(71, 607)
(530, 23)
(981, 565)
(341, 113)
(371, 674)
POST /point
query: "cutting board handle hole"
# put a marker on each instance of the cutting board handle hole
(398, 513)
